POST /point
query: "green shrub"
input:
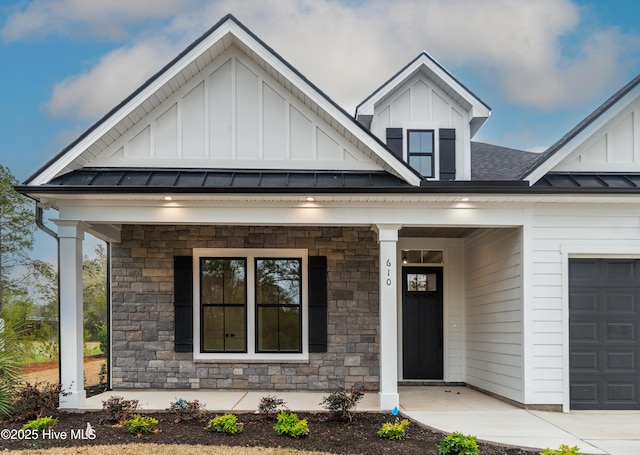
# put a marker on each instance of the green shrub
(9, 375)
(458, 444)
(270, 405)
(227, 423)
(140, 424)
(40, 424)
(563, 450)
(33, 401)
(341, 403)
(288, 424)
(186, 410)
(393, 430)
(118, 409)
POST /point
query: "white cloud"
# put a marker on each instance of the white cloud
(83, 18)
(91, 94)
(350, 49)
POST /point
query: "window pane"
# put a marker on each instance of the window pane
(420, 141)
(234, 328)
(289, 329)
(213, 328)
(223, 298)
(222, 281)
(279, 329)
(268, 328)
(278, 281)
(422, 164)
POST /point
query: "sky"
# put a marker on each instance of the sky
(542, 66)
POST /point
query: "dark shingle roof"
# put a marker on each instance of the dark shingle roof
(492, 162)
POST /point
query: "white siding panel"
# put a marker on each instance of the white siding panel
(327, 148)
(220, 128)
(247, 96)
(494, 342)
(274, 124)
(139, 146)
(193, 123)
(420, 102)
(440, 109)
(401, 109)
(166, 142)
(622, 141)
(613, 148)
(552, 228)
(595, 153)
(301, 131)
(229, 113)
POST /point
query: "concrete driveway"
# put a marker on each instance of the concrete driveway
(468, 411)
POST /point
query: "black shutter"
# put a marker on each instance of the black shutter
(394, 141)
(317, 304)
(447, 154)
(183, 303)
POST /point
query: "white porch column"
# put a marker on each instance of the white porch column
(71, 234)
(388, 239)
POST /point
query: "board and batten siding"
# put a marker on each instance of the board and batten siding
(615, 147)
(233, 113)
(419, 104)
(559, 233)
(494, 312)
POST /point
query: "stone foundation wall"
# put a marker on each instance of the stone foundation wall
(142, 307)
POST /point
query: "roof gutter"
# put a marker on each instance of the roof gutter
(40, 207)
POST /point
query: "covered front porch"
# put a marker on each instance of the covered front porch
(365, 275)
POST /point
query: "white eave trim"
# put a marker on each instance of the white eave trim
(565, 150)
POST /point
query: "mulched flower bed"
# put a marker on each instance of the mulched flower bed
(339, 437)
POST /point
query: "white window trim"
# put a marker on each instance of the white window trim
(422, 126)
(250, 254)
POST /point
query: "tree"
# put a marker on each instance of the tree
(17, 225)
(94, 293)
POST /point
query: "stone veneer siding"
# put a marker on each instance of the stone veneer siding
(142, 307)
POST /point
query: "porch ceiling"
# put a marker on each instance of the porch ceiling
(439, 232)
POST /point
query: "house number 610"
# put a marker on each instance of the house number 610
(388, 272)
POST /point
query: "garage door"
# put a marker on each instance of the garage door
(604, 327)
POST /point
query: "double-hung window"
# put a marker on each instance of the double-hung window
(420, 151)
(251, 304)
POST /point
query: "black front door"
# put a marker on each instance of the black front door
(422, 322)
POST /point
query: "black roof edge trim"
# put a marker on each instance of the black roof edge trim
(433, 189)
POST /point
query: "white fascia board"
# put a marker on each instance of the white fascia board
(583, 136)
(65, 160)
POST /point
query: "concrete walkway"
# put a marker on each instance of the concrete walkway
(443, 408)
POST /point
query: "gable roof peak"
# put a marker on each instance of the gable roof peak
(184, 66)
(432, 69)
(567, 143)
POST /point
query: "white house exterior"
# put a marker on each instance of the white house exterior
(261, 237)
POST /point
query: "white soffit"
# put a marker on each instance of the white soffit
(227, 33)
